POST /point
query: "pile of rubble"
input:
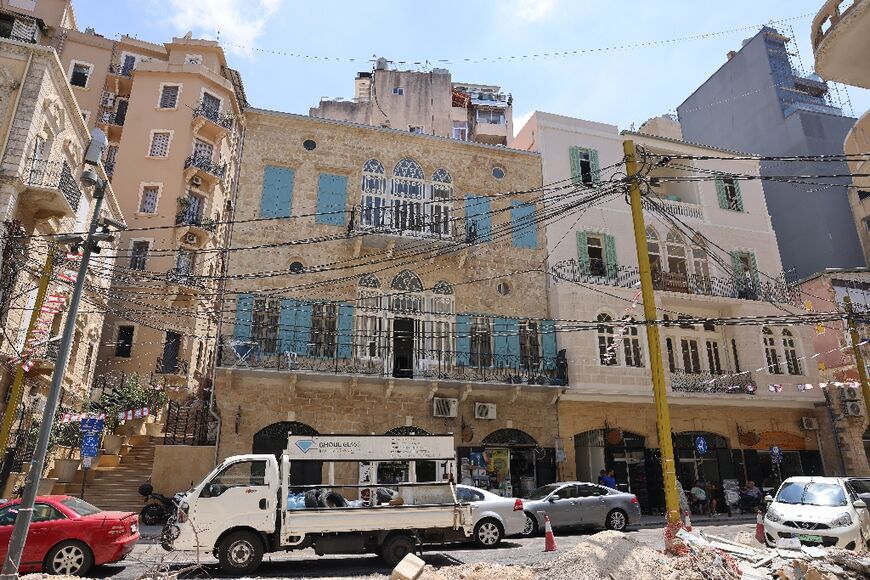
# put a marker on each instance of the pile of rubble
(479, 571)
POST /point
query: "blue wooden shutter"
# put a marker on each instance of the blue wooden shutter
(512, 328)
(331, 198)
(524, 233)
(302, 331)
(548, 344)
(276, 199)
(287, 326)
(610, 256)
(463, 339)
(345, 330)
(244, 316)
(506, 342)
(582, 253)
(477, 211)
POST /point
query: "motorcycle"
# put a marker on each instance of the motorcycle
(158, 508)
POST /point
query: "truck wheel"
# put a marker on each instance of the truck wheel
(240, 553)
(488, 533)
(395, 548)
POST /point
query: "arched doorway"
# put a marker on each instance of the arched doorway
(393, 472)
(273, 439)
(615, 449)
(702, 455)
(508, 462)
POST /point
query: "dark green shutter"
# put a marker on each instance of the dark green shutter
(582, 253)
(610, 255)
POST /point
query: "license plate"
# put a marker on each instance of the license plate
(809, 538)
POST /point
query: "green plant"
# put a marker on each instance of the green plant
(67, 435)
(133, 393)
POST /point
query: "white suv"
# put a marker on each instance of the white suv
(818, 511)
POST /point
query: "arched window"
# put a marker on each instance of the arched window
(700, 266)
(407, 280)
(408, 179)
(789, 349)
(442, 299)
(442, 197)
(409, 299)
(631, 344)
(408, 190)
(677, 263)
(369, 294)
(373, 180)
(653, 248)
(370, 281)
(771, 354)
(374, 187)
(606, 353)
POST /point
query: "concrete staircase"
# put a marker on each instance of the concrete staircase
(113, 484)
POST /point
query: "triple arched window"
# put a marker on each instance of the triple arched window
(406, 203)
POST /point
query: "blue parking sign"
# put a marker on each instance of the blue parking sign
(775, 454)
(90, 444)
(701, 445)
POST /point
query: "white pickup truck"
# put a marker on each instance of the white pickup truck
(241, 509)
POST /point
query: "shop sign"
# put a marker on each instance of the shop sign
(701, 445)
(369, 448)
(775, 454)
(783, 440)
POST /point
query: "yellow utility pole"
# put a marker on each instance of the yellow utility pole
(663, 415)
(17, 387)
(859, 358)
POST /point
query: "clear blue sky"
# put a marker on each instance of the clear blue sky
(616, 86)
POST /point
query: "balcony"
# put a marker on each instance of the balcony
(426, 365)
(204, 168)
(120, 70)
(715, 383)
(209, 123)
(51, 189)
(677, 283)
(193, 229)
(839, 38)
(175, 367)
(184, 281)
(121, 76)
(678, 209)
(406, 222)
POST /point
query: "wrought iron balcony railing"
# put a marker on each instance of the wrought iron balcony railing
(188, 218)
(54, 175)
(429, 365)
(184, 278)
(121, 70)
(205, 164)
(109, 166)
(713, 382)
(629, 277)
(213, 115)
(114, 118)
(171, 367)
(407, 218)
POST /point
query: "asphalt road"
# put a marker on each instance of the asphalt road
(305, 564)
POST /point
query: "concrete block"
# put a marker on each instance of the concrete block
(410, 568)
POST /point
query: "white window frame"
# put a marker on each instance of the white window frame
(72, 66)
(399, 91)
(142, 186)
(160, 96)
(151, 141)
(114, 344)
(461, 129)
(614, 321)
(798, 349)
(137, 58)
(130, 252)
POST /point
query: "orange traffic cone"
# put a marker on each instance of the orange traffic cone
(688, 522)
(759, 527)
(549, 538)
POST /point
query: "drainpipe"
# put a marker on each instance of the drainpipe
(228, 234)
(835, 432)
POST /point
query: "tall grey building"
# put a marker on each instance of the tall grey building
(758, 103)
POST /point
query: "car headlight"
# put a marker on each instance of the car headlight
(841, 520)
(773, 515)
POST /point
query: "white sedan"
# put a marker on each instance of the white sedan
(818, 511)
(494, 517)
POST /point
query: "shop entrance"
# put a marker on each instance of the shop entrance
(403, 348)
(510, 462)
(273, 439)
(615, 449)
(395, 472)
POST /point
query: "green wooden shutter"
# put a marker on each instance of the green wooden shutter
(582, 253)
(610, 255)
(593, 162)
(345, 330)
(576, 172)
(720, 193)
(244, 316)
(739, 199)
(754, 266)
(736, 267)
(463, 339)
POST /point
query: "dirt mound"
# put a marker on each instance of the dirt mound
(479, 571)
(610, 555)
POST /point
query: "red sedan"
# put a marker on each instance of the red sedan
(69, 536)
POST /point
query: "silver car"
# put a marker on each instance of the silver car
(574, 504)
(494, 516)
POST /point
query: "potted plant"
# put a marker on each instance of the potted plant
(66, 438)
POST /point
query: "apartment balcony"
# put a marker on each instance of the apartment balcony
(491, 133)
(44, 356)
(177, 368)
(209, 123)
(716, 383)
(193, 229)
(122, 77)
(678, 209)
(448, 366)
(858, 143)
(51, 190)
(840, 36)
(209, 172)
(675, 283)
(19, 29)
(112, 122)
(184, 282)
(405, 222)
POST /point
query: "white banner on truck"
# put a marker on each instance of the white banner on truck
(369, 448)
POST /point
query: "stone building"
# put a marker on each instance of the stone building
(387, 282)
(429, 103)
(740, 389)
(41, 196)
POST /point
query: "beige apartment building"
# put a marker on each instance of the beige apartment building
(401, 291)
(44, 139)
(172, 114)
(739, 388)
(427, 103)
(841, 44)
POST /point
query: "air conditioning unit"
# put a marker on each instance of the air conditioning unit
(190, 238)
(484, 410)
(108, 99)
(196, 180)
(444, 407)
(809, 424)
(853, 409)
(850, 393)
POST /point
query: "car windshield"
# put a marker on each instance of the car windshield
(860, 485)
(820, 494)
(80, 507)
(543, 491)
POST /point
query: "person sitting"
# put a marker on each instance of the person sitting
(750, 499)
(699, 498)
(608, 480)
